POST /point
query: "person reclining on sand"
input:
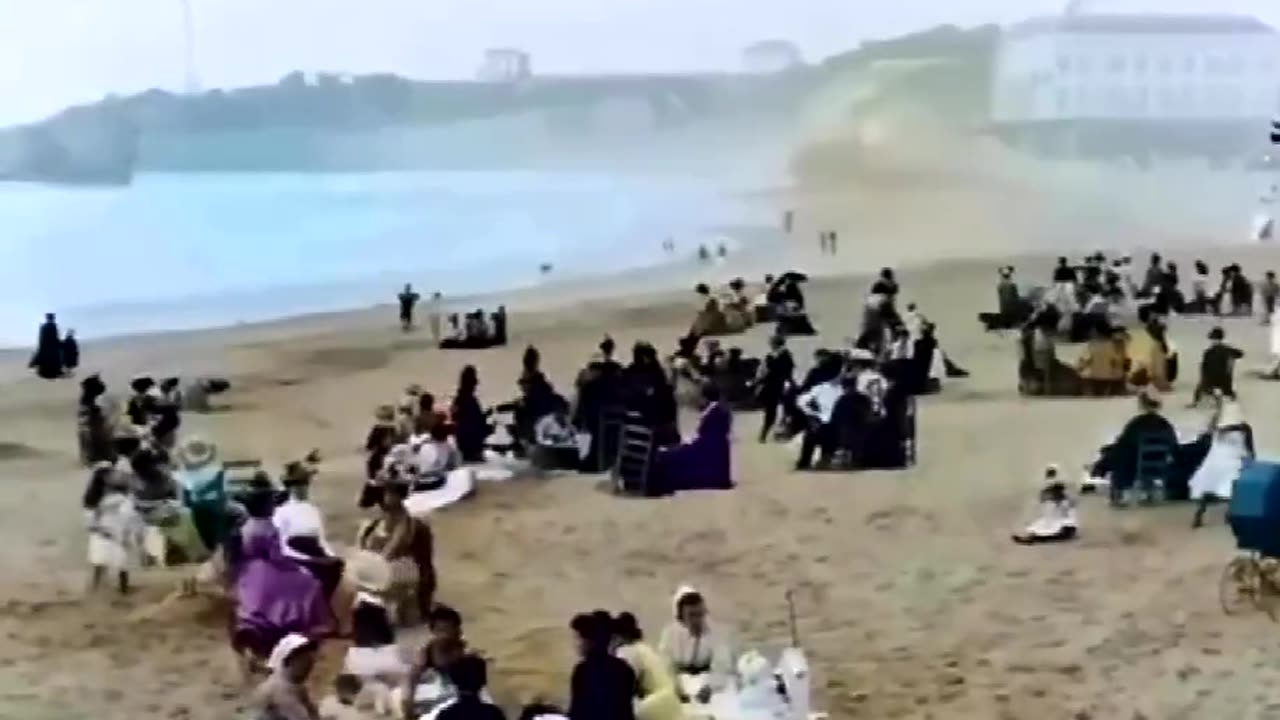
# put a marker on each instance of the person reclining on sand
(1057, 520)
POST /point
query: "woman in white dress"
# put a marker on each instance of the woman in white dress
(1057, 519)
(1231, 449)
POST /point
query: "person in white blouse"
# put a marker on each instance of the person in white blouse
(301, 528)
(697, 649)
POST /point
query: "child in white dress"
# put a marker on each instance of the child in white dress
(115, 526)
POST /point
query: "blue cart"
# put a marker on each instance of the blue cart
(1252, 579)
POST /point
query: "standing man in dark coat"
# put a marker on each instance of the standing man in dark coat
(408, 300)
(47, 360)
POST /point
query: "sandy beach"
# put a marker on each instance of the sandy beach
(912, 601)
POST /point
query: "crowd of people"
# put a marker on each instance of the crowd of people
(1122, 324)
(155, 498)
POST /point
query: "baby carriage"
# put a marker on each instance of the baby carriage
(1252, 578)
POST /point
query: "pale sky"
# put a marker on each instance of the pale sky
(58, 52)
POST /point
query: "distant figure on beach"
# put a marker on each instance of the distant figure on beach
(434, 315)
(722, 252)
(788, 221)
(669, 246)
(408, 300)
(546, 268)
(833, 243)
(704, 254)
(70, 353)
(47, 360)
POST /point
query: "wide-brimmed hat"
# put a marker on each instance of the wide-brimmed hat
(285, 649)
(415, 390)
(385, 413)
(196, 454)
(369, 571)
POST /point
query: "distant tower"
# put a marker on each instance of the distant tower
(191, 84)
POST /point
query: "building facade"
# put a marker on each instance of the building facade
(1198, 75)
(506, 65)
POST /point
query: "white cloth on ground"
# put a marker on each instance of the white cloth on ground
(1054, 518)
(1221, 467)
(458, 484)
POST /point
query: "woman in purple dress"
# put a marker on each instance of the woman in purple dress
(274, 596)
(703, 462)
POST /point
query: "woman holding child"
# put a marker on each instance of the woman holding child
(406, 543)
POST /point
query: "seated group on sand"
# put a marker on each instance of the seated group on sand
(1113, 362)
(1078, 294)
(731, 312)
(691, 673)
(476, 330)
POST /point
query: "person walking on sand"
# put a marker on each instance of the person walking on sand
(408, 300)
(833, 243)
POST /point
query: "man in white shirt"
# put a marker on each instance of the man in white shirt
(818, 406)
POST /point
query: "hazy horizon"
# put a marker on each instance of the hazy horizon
(57, 53)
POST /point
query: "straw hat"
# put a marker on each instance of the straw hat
(196, 453)
(369, 571)
(385, 413)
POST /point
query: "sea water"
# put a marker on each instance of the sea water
(182, 251)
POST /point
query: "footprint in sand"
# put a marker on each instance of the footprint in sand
(898, 518)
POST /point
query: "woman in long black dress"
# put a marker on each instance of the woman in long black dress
(471, 422)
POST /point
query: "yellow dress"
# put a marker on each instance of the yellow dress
(657, 685)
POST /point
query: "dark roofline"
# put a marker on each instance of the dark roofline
(1152, 24)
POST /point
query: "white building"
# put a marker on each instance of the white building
(771, 56)
(1136, 67)
(505, 65)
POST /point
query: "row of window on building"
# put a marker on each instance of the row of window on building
(1222, 100)
(1118, 64)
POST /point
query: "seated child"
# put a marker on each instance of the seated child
(373, 656)
(427, 682)
(1057, 520)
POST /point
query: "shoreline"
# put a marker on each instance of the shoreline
(634, 284)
